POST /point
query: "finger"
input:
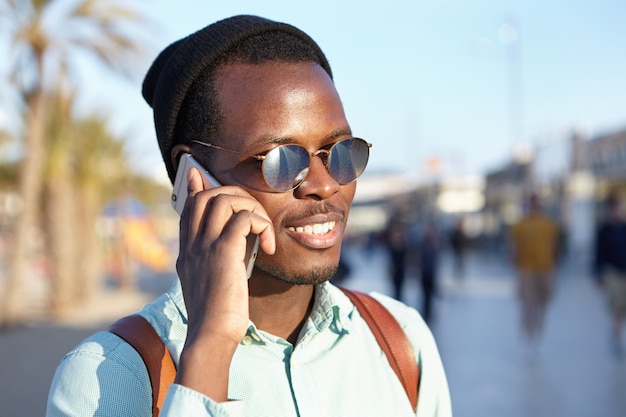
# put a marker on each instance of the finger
(232, 246)
(221, 207)
(214, 209)
(193, 205)
(194, 186)
(194, 182)
(244, 223)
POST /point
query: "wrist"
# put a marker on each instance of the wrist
(204, 366)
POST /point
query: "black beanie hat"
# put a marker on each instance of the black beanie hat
(176, 68)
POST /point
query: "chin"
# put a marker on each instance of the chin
(315, 274)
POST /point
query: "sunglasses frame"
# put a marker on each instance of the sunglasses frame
(263, 156)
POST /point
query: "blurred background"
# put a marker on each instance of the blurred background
(471, 106)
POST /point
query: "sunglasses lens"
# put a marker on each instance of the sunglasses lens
(348, 159)
(285, 167)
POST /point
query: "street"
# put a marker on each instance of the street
(491, 372)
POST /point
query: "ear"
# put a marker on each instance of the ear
(177, 151)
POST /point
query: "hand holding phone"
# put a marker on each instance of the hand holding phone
(179, 196)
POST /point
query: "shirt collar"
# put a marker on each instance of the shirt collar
(329, 311)
(332, 310)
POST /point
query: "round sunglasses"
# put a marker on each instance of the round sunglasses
(285, 167)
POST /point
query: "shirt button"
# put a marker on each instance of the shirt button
(247, 340)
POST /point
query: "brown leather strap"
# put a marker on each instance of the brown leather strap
(392, 340)
(140, 334)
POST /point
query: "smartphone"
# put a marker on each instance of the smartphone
(179, 196)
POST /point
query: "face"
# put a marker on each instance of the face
(284, 103)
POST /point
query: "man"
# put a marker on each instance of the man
(458, 244)
(535, 245)
(254, 102)
(610, 266)
(396, 242)
(428, 254)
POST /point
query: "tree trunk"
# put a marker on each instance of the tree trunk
(126, 278)
(62, 237)
(28, 220)
(90, 265)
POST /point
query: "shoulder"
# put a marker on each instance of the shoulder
(102, 374)
(414, 326)
(550, 222)
(105, 353)
(410, 320)
(433, 387)
(104, 347)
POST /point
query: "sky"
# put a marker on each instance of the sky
(438, 86)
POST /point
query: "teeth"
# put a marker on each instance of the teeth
(314, 229)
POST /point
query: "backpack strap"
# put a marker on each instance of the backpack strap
(140, 334)
(392, 340)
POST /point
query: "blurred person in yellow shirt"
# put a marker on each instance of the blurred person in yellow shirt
(534, 242)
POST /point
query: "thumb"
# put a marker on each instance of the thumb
(194, 182)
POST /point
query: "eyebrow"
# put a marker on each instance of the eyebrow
(341, 132)
(285, 140)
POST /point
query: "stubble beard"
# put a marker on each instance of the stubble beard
(313, 276)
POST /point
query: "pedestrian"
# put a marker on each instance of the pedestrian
(610, 266)
(395, 238)
(253, 101)
(458, 244)
(535, 244)
(428, 267)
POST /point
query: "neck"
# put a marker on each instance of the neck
(280, 308)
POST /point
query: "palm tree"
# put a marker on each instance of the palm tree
(59, 200)
(81, 175)
(101, 174)
(47, 36)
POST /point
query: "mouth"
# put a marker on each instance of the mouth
(317, 233)
(315, 229)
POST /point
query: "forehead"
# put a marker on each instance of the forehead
(277, 100)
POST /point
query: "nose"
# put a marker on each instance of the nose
(318, 184)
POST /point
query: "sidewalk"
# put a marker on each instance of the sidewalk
(491, 373)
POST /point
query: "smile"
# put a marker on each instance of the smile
(317, 229)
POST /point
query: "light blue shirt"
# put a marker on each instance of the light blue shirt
(336, 369)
